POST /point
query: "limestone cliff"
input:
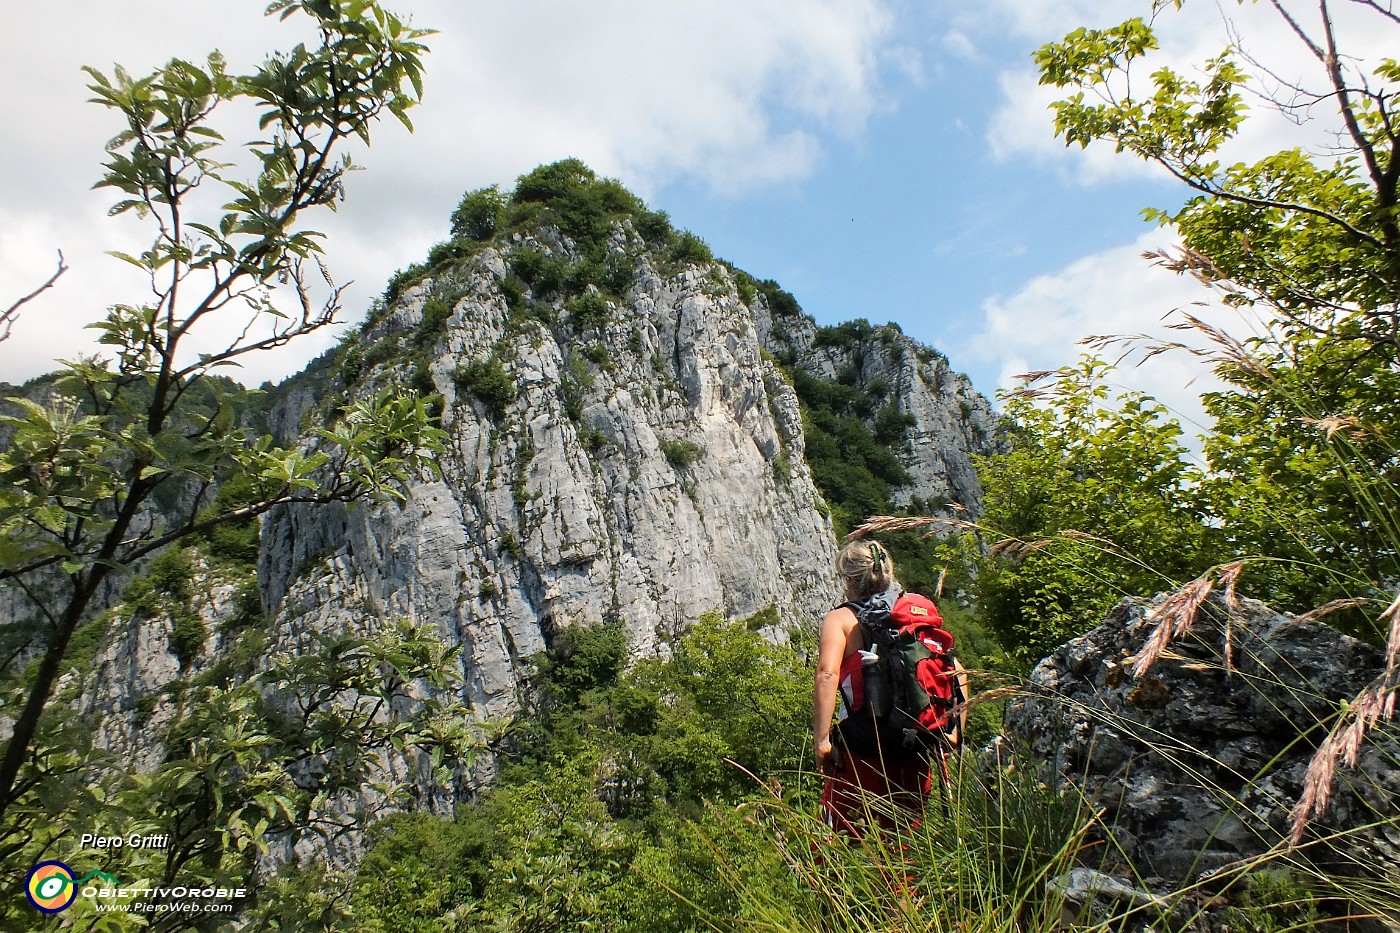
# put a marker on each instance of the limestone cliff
(640, 461)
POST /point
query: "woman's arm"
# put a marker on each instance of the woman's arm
(960, 673)
(836, 627)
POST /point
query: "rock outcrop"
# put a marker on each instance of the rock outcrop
(644, 465)
(1197, 766)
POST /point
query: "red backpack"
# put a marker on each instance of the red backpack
(910, 681)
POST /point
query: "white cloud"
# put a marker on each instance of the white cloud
(961, 45)
(1114, 292)
(737, 93)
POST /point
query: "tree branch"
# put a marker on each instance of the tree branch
(7, 317)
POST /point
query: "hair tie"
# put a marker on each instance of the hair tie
(877, 556)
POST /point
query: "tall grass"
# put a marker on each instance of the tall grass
(1006, 846)
(980, 858)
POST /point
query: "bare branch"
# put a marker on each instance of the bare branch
(1385, 11)
(7, 317)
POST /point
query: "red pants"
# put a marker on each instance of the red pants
(865, 789)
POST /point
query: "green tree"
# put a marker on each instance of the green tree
(1315, 238)
(1093, 500)
(82, 473)
(1305, 478)
(1303, 460)
(287, 749)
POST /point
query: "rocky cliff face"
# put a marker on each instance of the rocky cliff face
(637, 460)
(942, 422)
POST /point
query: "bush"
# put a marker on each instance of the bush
(844, 336)
(573, 383)
(582, 205)
(746, 287)
(487, 380)
(681, 453)
(544, 273)
(232, 542)
(478, 214)
(891, 425)
(187, 636)
(587, 310)
(172, 573)
(436, 311)
(598, 355)
(689, 248)
(554, 182)
(655, 227)
(780, 302)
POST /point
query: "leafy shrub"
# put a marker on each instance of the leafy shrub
(844, 336)
(655, 227)
(235, 542)
(545, 273)
(352, 364)
(478, 214)
(583, 658)
(598, 355)
(421, 381)
(592, 439)
(487, 380)
(587, 310)
(616, 275)
(556, 181)
(689, 248)
(581, 204)
(436, 311)
(513, 291)
(780, 302)
(187, 636)
(247, 608)
(172, 573)
(88, 637)
(746, 286)
(891, 425)
(402, 280)
(450, 253)
(573, 383)
(681, 453)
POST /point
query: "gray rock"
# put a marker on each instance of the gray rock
(1197, 767)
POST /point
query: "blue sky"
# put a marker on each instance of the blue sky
(885, 159)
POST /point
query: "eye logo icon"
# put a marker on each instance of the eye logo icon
(50, 887)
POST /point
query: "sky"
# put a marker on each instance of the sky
(886, 159)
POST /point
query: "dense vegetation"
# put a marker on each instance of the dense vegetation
(671, 797)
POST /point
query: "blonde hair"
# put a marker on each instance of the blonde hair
(865, 568)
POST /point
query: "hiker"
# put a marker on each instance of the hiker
(890, 774)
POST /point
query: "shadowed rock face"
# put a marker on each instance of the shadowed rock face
(1197, 766)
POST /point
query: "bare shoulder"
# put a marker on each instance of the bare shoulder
(841, 618)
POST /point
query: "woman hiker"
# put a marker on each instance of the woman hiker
(859, 786)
